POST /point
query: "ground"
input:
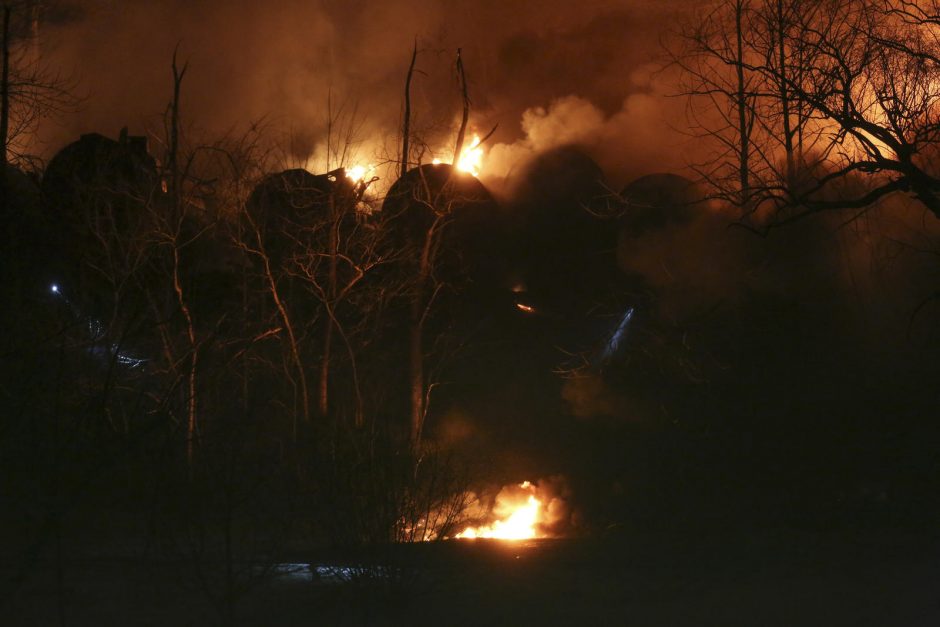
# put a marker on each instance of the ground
(766, 578)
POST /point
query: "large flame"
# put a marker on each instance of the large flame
(471, 158)
(520, 518)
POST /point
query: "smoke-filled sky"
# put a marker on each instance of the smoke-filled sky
(553, 71)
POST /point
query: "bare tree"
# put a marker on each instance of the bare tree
(778, 41)
(844, 93)
(257, 247)
(29, 90)
(5, 85)
(422, 205)
(406, 116)
(715, 60)
(172, 233)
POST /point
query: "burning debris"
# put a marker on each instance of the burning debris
(523, 511)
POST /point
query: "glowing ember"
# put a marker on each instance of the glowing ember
(519, 521)
(525, 308)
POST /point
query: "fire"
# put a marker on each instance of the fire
(358, 172)
(471, 158)
(519, 522)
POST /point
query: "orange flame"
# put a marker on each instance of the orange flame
(358, 172)
(519, 522)
(471, 158)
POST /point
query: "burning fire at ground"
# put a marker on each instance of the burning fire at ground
(522, 512)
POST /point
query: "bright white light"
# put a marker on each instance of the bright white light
(55, 288)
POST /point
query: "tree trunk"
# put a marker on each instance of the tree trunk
(784, 92)
(462, 131)
(173, 157)
(416, 363)
(191, 407)
(743, 130)
(177, 220)
(4, 100)
(420, 306)
(406, 123)
(291, 336)
(331, 292)
(925, 188)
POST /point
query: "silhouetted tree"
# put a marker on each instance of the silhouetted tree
(715, 61)
(843, 92)
(29, 90)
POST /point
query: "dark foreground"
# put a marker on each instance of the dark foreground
(770, 578)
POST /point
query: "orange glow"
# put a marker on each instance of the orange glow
(358, 172)
(520, 517)
(471, 158)
(525, 308)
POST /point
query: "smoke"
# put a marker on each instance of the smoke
(455, 428)
(717, 299)
(568, 120)
(559, 518)
(590, 397)
(624, 144)
(693, 265)
(563, 69)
